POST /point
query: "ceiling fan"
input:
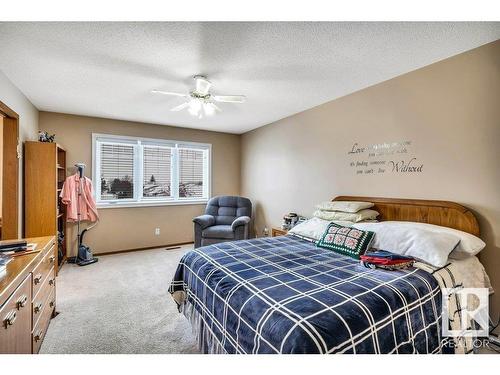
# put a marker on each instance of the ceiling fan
(200, 101)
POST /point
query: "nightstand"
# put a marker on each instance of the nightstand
(279, 232)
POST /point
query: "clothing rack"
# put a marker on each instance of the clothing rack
(80, 167)
(80, 259)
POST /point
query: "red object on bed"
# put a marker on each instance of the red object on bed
(385, 261)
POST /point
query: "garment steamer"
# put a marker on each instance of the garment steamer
(85, 256)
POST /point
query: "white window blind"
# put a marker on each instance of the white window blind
(191, 172)
(131, 171)
(117, 171)
(157, 171)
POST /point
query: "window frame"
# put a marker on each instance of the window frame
(138, 199)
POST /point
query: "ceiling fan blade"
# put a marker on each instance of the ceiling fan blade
(169, 93)
(202, 85)
(230, 98)
(180, 107)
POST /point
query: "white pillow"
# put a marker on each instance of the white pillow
(421, 244)
(469, 244)
(344, 206)
(314, 228)
(346, 216)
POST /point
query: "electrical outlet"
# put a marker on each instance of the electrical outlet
(157, 231)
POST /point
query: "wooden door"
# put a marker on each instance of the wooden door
(10, 179)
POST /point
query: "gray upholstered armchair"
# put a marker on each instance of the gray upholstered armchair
(226, 218)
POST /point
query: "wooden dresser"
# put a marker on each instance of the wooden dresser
(28, 298)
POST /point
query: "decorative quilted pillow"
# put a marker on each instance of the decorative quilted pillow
(346, 240)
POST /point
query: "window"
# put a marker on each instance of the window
(117, 171)
(191, 172)
(132, 171)
(157, 167)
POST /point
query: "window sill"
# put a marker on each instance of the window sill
(150, 204)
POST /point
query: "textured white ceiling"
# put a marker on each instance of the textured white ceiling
(108, 69)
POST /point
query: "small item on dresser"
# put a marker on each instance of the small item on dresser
(43, 136)
(4, 260)
(289, 220)
(29, 249)
(12, 246)
(301, 219)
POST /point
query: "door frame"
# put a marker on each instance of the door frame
(10, 174)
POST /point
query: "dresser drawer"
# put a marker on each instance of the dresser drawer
(42, 270)
(43, 322)
(41, 299)
(15, 320)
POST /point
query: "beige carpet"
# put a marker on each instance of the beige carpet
(119, 305)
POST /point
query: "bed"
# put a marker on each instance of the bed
(285, 295)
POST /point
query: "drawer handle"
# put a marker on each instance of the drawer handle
(21, 301)
(38, 335)
(38, 307)
(37, 279)
(52, 281)
(10, 319)
(52, 259)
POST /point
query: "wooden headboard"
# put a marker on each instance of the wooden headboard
(444, 213)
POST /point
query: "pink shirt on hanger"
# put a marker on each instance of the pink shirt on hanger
(86, 205)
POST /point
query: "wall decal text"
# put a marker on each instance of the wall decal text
(380, 158)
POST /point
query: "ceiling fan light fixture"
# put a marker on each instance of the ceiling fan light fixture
(209, 109)
(202, 85)
(201, 101)
(194, 106)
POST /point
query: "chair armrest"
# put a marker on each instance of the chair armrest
(204, 221)
(242, 220)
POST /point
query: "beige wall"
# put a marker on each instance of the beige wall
(450, 111)
(28, 125)
(1, 160)
(128, 228)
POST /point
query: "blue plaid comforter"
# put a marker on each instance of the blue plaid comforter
(285, 295)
